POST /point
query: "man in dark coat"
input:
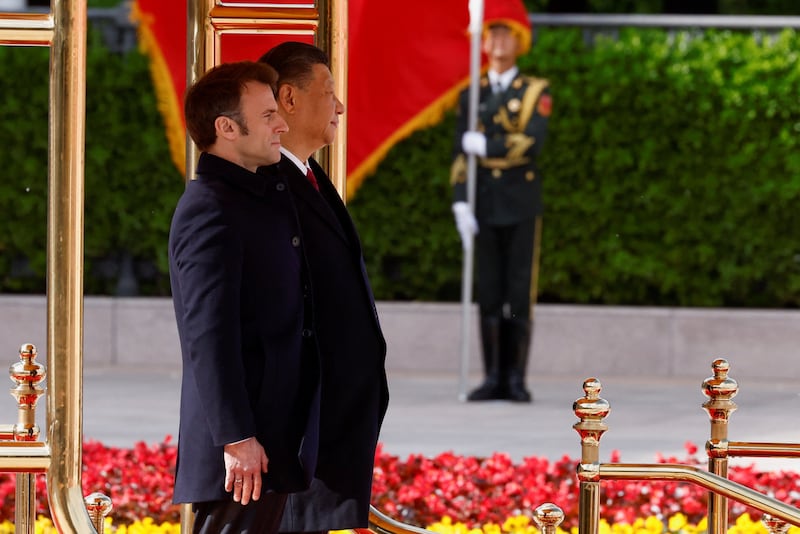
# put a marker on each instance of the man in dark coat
(351, 345)
(512, 124)
(249, 413)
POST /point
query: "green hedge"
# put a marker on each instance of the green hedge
(672, 177)
(131, 184)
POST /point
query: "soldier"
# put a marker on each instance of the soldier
(512, 123)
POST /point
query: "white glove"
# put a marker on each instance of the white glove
(465, 223)
(474, 143)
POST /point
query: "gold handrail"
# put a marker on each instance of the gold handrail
(383, 524)
(26, 29)
(592, 411)
(704, 479)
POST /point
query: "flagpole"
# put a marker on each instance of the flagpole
(475, 28)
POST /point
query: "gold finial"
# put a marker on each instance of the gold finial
(591, 410)
(775, 525)
(548, 516)
(27, 375)
(99, 506)
(720, 389)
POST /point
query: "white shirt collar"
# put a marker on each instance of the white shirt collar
(503, 79)
(303, 167)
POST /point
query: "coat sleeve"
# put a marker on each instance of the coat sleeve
(207, 254)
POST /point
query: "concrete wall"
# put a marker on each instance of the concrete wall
(576, 341)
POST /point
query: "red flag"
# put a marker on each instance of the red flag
(407, 62)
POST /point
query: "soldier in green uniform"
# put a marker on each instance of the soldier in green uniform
(512, 124)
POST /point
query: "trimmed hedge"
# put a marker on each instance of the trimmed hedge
(672, 177)
(131, 184)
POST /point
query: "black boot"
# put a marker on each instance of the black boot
(492, 387)
(520, 331)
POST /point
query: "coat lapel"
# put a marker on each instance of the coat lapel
(320, 201)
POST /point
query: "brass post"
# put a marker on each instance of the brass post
(25, 504)
(65, 202)
(27, 375)
(332, 37)
(591, 410)
(774, 524)
(548, 516)
(720, 390)
(99, 506)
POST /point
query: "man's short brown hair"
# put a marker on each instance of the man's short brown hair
(218, 92)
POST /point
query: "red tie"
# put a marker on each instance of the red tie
(312, 178)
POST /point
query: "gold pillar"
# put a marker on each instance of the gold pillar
(720, 390)
(65, 265)
(333, 38)
(591, 410)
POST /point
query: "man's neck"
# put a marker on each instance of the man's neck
(501, 66)
(296, 147)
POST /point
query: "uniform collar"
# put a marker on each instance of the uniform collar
(503, 79)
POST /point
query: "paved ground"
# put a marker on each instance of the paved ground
(649, 415)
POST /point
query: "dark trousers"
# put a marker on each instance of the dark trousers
(228, 517)
(504, 257)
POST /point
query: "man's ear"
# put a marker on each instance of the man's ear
(286, 97)
(226, 127)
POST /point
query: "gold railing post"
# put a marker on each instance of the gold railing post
(775, 525)
(548, 516)
(25, 504)
(591, 410)
(720, 390)
(65, 203)
(98, 505)
(27, 375)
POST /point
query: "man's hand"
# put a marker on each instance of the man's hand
(474, 143)
(465, 222)
(244, 463)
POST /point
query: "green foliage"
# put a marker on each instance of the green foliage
(671, 175)
(131, 186)
(404, 220)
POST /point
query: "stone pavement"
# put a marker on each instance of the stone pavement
(649, 415)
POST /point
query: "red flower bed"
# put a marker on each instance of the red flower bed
(138, 480)
(476, 491)
(420, 490)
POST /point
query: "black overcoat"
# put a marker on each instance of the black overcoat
(352, 355)
(237, 277)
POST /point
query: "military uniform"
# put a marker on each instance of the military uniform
(508, 206)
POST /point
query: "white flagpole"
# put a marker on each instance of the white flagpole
(476, 30)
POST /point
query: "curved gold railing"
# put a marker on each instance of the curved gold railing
(383, 524)
(720, 389)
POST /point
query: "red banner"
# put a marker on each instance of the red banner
(407, 62)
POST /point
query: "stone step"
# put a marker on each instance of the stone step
(568, 340)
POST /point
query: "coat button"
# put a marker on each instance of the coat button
(497, 173)
(307, 332)
(295, 241)
(280, 186)
(530, 176)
